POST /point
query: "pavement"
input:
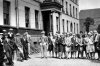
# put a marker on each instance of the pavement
(37, 61)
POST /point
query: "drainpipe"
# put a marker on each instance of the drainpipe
(17, 15)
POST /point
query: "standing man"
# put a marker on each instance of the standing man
(95, 40)
(29, 42)
(25, 47)
(8, 49)
(19, 52)
(11, 37)
(44, 45)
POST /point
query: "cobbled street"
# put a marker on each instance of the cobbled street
(37, 61)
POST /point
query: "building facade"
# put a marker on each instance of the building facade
(63, 15)
(92, 13)
(34, 16)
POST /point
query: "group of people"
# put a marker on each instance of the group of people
(69, 45)
(66, 45)
(11, 44)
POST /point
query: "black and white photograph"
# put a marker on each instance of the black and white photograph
(49, 32)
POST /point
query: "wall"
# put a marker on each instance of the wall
(68, 18)
(1, 12)
(33, 6)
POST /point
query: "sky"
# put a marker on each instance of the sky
(89, 4)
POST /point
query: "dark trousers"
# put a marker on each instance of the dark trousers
(1, 61)
(25, 51)
(98, 54)
(9, 55)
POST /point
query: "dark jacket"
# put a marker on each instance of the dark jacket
(74, 41)
(1, 52)
(24, 43)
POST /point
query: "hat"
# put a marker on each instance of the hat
(43, 32)
(73, 34)
(18, 34)
(95, 31)
(4, 30)
(10, 29)
(68, 33)
(89, 33)
(64, 33)
(81, 31)
(26, 33)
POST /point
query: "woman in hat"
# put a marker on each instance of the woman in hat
(73, 46)
(90, 46)
(56, 46)
(68, 44)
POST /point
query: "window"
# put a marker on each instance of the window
(67, 8)
(77, 28)
(63, 25)
(74, 27)
(36, 19)
(57, 23)
(76, 2)
(27, 14)
(71, 27)
(76, 12)
(70, 11)
(6, 12)
(73, 11)
(63, 5)
(67, 25)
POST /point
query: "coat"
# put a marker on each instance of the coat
(1, 52)
(25, 45)
(98, 43)
(43, 40)
(74, 44)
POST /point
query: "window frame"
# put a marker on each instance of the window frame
(6, 12)
(27, 17)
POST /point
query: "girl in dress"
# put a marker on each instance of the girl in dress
(68, 45)
(90, 46)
